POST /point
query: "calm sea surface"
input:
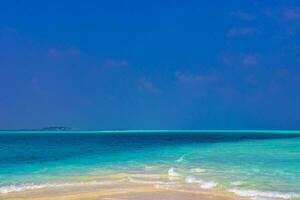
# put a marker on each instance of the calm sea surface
(258, 165)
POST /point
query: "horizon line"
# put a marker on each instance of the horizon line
(156, 131)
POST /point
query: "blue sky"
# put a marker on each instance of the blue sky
(150, 64)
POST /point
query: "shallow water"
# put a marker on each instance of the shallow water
(258, 165)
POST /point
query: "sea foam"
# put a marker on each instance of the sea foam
(192, 179)
(202, 184)
(154, 182)
(208, 185)
(180, 159)
(238, 183)
(32, 186)
(257, 194)
(197, 170)
(172, 173)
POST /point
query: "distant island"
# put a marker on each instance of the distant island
(50, 128)
(57, 128)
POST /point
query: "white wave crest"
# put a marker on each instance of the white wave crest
(31, 186)
(197, 170)
(256, 194)
(238, 183)
(157, 183)
(208, 185)
(149, 167)
(180, 159)
(145, 175)
(202, 184)
(18, 188)
(172, 173)
(192, 179)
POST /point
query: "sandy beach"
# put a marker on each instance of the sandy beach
(121, 186)
(120, 191)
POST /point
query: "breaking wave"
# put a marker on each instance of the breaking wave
(32, 186)
(257, 194)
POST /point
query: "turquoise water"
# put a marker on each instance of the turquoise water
(261, 164)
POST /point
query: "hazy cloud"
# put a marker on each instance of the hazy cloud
(291, 13)
(268, 12)
(56, 52)
(148, 85)
(73, 52)
(243, 15)
(36, 87)
(196, 78)
(112, 63)
(240, 31)
(250, 60)
(238, 59)
(225, 58)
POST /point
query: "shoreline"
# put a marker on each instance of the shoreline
(155, 131)
(122, 189)
(137, 186)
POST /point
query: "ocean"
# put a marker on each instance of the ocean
(254, 164)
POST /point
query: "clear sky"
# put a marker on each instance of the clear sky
(150, 64)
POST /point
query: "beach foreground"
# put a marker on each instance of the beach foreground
(121, 188)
